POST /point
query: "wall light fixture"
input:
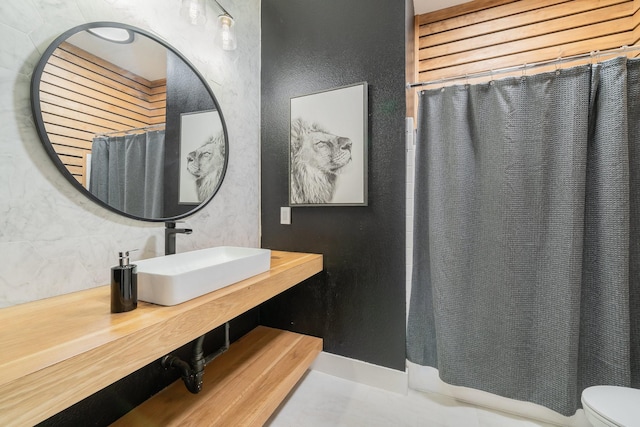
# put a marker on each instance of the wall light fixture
(194, 11)
(227, 32)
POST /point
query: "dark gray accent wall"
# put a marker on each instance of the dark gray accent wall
(358, 303)
(186, 93)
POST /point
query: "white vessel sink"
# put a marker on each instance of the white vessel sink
(173, 279)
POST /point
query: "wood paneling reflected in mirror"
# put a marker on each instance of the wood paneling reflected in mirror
(129, 122)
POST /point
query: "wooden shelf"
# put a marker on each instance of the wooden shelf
(242, 387)
(58, 351)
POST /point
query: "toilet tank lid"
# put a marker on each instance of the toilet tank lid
(618, 404)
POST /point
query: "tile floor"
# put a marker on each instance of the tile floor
(322, 400)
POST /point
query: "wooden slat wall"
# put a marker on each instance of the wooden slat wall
(82, 95)
(485, 35)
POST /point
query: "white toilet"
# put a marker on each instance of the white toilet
(610, 406)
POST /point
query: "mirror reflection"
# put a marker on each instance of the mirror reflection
(130, 122)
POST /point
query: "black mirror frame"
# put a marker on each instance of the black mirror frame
(48, 146)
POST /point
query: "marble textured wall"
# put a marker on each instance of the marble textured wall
(52, 239)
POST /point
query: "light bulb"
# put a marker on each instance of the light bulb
(193, 11)
(227, 32)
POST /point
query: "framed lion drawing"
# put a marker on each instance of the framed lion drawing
(202, 156)
(328, 148)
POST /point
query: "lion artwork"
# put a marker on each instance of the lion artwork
(206, 164)
(317, 158)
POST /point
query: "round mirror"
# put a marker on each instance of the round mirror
(129, 122)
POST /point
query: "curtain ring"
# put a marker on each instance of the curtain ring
(558, 65)
(491, 81)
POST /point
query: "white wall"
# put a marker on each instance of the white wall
(52, 239)
(410, 135)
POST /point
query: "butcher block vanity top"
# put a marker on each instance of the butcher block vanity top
(60, 350)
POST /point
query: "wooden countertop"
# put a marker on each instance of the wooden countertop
(57, 351)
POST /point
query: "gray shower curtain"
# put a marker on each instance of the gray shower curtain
(127, 172)
(527, 234)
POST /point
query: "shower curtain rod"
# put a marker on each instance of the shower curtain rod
(145, 128)
(593, 55)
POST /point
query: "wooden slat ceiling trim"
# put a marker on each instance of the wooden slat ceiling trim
(114, 114)
(89, 61)
(555, 40)
(498, 34)
(513, 8)
(604, 43)
(70, 72)
(463, 9)
(541, 21)
(636, 24)
(70, 151)
(71, 161)
(85, 137)
(93, 89)
(104, 76)
(60, 140)
(82, 122)
(97, 99)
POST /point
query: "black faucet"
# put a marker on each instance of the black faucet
(170, 232)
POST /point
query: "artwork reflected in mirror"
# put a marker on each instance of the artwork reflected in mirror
(108, 101)
(201, 155)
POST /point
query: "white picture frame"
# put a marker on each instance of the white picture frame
(328, 147)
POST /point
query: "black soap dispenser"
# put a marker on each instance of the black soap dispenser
(124, 285)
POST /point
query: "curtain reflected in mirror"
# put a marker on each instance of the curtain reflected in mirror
(127, 172)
